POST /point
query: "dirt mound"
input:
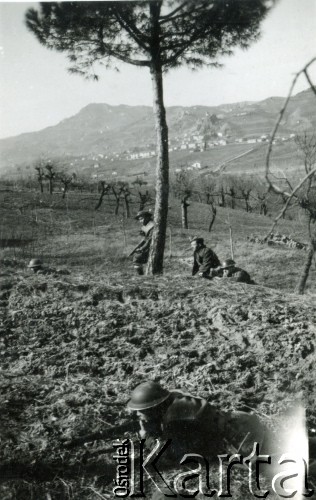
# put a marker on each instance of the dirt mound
(73, 348)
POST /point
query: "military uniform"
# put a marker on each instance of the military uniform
(195, 426)
(204, 260)
(142, 253)
(235, 274)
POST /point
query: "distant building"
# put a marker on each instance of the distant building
(198, 138)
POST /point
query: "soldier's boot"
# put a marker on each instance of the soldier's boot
(139, 270)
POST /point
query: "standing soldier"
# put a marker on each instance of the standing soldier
(205, 259)
(141, 252)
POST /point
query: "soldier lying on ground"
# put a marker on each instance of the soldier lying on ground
(229, 270)
(36, 266)
(141, 252)
(193, 425)
(205, 259)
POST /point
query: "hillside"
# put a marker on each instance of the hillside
(74, 345)
(101, 129)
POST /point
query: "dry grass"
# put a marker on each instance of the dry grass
(77, 237)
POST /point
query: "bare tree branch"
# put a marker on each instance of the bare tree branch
(272, 186)
(310, 174)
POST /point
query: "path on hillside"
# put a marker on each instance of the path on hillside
(219, 169)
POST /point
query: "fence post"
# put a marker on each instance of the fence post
(231, 242)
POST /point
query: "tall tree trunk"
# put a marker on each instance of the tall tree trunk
(222, 199)
(184, 212)
(142, 201)
(214, 212)
(309, 258)
(128, 213)
(232, 194)
(263, 208)
(155, 263)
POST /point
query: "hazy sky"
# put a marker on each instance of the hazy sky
(37, 91)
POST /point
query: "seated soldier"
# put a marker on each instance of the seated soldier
(229, 270)
(141, 252)
(205, 259)
(192, 424)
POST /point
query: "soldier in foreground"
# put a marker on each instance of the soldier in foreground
(193, 425)
(205, 259)
(228, 269)
(141, 251)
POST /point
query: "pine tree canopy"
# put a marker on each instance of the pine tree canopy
(190, 32)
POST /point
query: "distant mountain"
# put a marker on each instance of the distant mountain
(105, 129)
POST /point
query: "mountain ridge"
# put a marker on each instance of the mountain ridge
(101, 128)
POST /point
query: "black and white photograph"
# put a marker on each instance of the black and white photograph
(158, 249)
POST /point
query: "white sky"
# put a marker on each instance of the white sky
(36, 90)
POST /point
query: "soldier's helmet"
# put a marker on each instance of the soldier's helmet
(228, 263)
(144, 214)
(35, 263)
(147, 395)
(197, 239)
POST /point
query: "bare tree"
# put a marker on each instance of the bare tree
(246, 188)
(304, 191)
(66, 181)
(40, 175)
(144, 198)
(118, 191)
(126, 195)
(206, 185)
(261, 195)
(50, 174)
(229, 185)
(103, 188)
(182, 188)
(221, 193)
(213, 217)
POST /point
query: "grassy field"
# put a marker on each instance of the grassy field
(71, 233)
(73, 346)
